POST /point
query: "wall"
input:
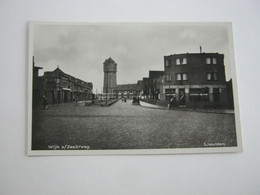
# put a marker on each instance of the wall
(196, 69)
(237, 173)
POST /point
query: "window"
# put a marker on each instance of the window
(184, 61)
(198, 96)
(215, 76)
(181, 77)
(181, 61)
(212, 76)
(214, 60)
(209, 76)
(168, 62)
(184, 77)
(168, 77)
(178, 62)
(178, 77)
(50, 80)
(169, 93)
(208, 61)
(211, 60)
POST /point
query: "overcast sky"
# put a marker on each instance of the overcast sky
(81, 49)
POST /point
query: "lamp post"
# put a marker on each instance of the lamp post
(106, 89)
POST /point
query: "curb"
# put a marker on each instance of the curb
(187, 110)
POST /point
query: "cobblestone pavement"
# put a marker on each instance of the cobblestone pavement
(127, 126)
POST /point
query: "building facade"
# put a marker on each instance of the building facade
(110, 79)
(127, 90)
(196, 79)
(146, 87)
(60, 87)
(37, 85)
(155, 79)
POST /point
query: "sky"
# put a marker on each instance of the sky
(79, 49)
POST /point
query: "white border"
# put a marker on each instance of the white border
(136, 151)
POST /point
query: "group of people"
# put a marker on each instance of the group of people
(123, 99)
(136, 101)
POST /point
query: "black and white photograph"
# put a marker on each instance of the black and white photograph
(132, 88)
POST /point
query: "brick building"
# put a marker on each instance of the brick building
(196, 79)
(60, 87)
(155, 78)
(127, 90)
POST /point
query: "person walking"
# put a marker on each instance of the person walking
(171, 102)
(45, 103)
(76, 101)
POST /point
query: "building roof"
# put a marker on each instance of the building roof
(58, 72)
(37, 67)
(126, 87)
(109, 60)
(153, 74)
(193, 54)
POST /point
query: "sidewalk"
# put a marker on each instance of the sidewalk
(144, 104)
(217, 111)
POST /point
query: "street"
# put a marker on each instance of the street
(127, 126)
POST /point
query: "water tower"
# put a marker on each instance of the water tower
(110, 68)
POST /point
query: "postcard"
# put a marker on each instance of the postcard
(132, 88)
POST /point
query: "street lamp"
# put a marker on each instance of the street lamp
(106, 89)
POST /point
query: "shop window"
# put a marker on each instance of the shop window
(199, 96)
(169, 93)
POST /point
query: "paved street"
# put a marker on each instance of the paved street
(126, 126)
